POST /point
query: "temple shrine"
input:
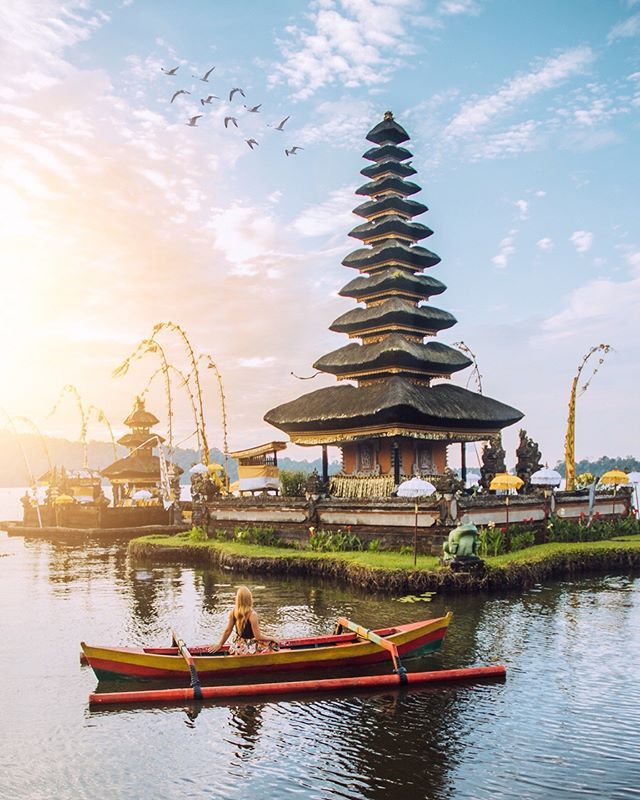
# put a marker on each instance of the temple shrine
(258, 470)
(400, 413)
(140, 469)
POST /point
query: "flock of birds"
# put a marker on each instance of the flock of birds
(229, 120)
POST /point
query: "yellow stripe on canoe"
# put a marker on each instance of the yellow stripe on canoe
(213, 663)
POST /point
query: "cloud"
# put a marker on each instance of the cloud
(338, 123)
(256, 362)
(581, 240)
(506, 249)
(540, 193)
(545, 244)
(624, 30)
(602, 308)
(454, 7)
(550, 73)
(524, 137)
(523, 208)
(350, 42)
(331, 217)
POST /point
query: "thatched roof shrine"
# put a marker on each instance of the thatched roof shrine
(395, 419)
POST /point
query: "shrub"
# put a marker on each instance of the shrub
(256, 534)
(334, 541)
(197, 534)
(374, 546)
(560, 529)
(491, 541)
(520, 540)
(293, 483)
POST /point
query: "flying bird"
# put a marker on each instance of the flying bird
(233, 91)
(227, 120)
(205, 77)
(193, 121)
(170, 71)
(254, 109)
(208, 99)
(280, 125)
(251, 142)
(180, 91)
(293, 151)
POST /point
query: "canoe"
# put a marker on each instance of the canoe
(272, 690)
(321, 653)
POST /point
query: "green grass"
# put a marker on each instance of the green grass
(387, 560)
(540, 552)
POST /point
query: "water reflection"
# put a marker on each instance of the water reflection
(246, 721)
(563, 725)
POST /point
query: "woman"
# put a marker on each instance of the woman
(243, 620)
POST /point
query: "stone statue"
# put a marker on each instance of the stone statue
(492, 462)
(529, 460)
(448, 482)
(460, 551)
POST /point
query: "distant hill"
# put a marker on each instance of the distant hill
(62, 452)
(602, 465)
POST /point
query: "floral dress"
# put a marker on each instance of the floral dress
(244, 643)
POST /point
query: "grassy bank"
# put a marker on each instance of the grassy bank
(394, 572)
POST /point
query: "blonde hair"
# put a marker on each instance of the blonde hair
(242, 608)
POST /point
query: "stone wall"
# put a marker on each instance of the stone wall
(392, 520)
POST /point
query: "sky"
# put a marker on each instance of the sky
(116, 215)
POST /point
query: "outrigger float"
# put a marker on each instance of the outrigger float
(359, 646)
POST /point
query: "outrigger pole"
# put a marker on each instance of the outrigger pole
(190, 694)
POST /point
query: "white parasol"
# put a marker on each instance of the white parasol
(546, 477)
(415, 487)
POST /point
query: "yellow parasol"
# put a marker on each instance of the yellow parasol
(504, 481)
(63, 499)
(214, 468)
(615, 477)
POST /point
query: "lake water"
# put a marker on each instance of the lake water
(564, 724)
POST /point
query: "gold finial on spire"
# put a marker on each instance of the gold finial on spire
(388, 114)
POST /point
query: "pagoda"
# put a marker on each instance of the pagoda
(394, 420)
(140, 469)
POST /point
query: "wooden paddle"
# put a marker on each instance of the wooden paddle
(365, 633)
(184, 652)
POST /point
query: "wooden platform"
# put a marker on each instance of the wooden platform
(18, 529)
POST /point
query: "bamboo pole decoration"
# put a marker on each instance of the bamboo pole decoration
(69, 389)
(101, 417)
(194, 366)
(476, 370)
(225, 444)
(152, 346)
(32, 480)
(155, 347)
(41, 438)
(184, 382)
(570, 438)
